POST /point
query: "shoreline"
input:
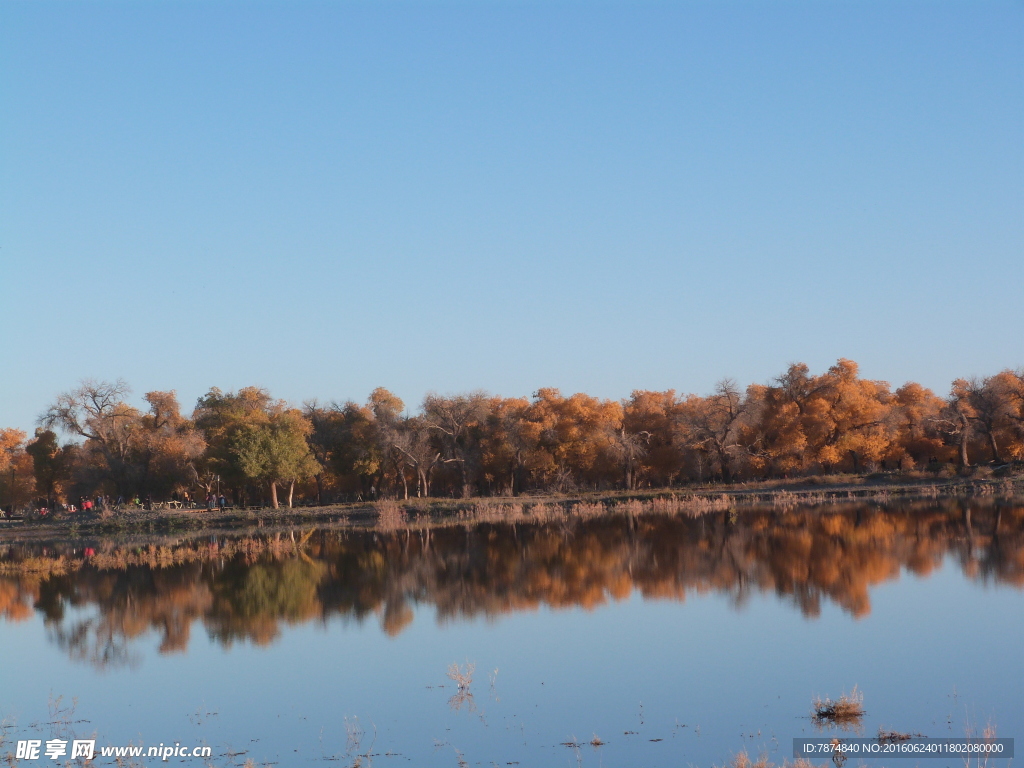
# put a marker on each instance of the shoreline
(420, 513)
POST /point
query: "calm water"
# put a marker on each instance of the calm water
(678, 641)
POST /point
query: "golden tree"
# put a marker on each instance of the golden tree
(915, 440)
(653, 416)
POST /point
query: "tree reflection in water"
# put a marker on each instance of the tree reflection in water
(245, 589)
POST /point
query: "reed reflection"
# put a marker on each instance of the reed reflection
(96, 603)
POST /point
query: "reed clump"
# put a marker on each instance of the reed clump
(630, 507)
(742, 760)
(542, 512)
(847, 710)
(488, 511)
(587, 510)
(390, 515)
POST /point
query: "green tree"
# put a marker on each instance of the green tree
(276, 452)
(221, 417)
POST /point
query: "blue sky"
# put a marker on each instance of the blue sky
(322, 198)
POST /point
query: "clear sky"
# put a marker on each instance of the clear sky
(322, 198)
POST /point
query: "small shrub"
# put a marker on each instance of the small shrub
(462, 676)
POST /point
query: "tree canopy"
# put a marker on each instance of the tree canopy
(248, 444)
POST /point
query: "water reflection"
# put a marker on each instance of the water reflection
(95, 602)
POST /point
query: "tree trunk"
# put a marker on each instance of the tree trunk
(723, 459)
(965, 432)
(273, 494)
(995, 448)
(291, 493)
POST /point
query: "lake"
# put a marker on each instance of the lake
(674, 640)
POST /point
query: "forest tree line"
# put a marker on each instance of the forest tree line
(255, 448)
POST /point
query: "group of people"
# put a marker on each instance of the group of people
(186, 501)
(104, 502)
(213, 500)
(86, 504)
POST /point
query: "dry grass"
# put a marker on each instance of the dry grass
(587, 510)
(742, 760)
(631, 507)
(542, 512)
(488, 511)
(390, 515)
(988, 733)
(845, 711)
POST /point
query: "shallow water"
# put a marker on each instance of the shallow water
(675, 640)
